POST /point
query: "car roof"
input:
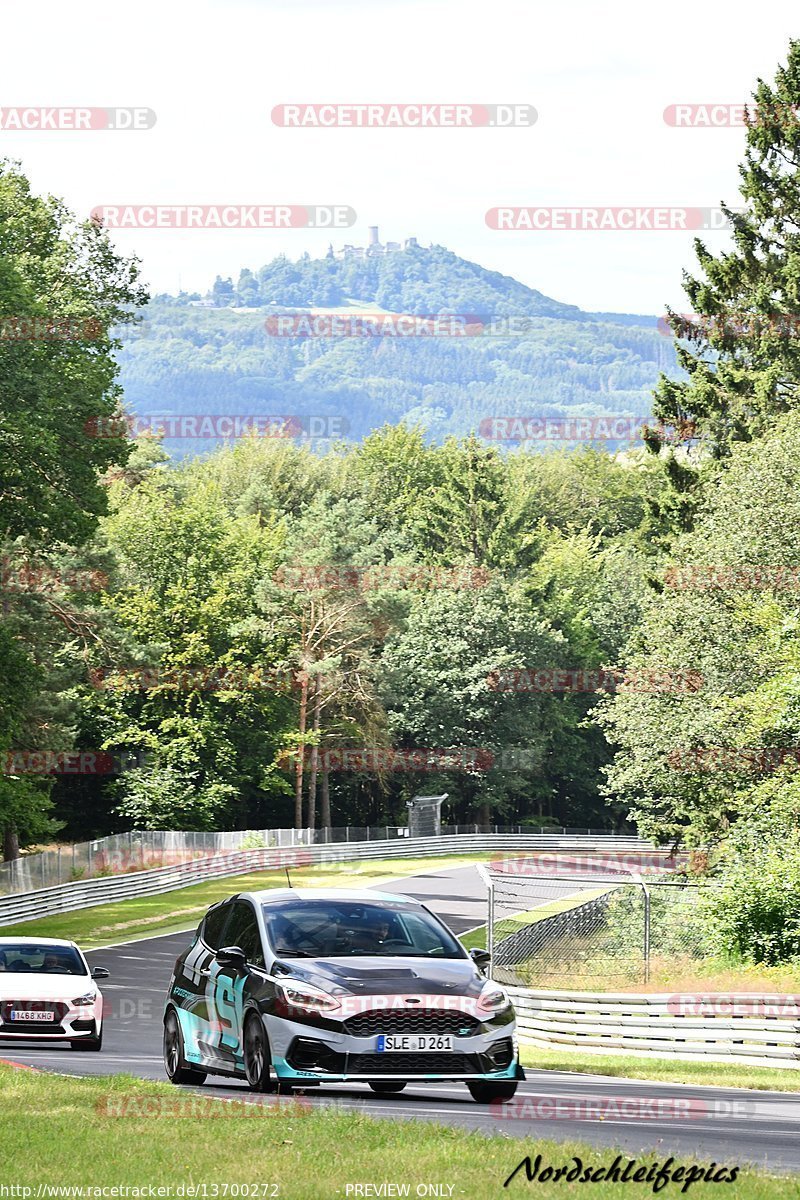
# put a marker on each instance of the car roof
(360, 894)
(29, 941)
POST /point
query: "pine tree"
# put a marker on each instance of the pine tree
(739, 349)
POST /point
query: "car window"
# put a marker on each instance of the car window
(41, 959)
(214, 924)
(342, 928)
(242, 931)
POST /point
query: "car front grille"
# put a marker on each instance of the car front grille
(33, 1027)
(412, 1020)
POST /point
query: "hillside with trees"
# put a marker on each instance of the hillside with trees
(186, 358)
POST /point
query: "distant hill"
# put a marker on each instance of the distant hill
(213, 354)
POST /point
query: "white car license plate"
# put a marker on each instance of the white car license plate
(27, 1014)
(413, 1042)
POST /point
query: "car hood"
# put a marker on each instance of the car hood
(22, 985)
(390, 976)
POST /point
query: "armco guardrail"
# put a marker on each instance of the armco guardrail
(67, 897)
(756, 1029)
(146, 849)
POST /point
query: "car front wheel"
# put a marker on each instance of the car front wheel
(386, 1086)
(174, 1063)
(487, 1093)
(256, 1054)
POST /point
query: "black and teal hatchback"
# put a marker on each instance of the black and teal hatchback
(291, 988)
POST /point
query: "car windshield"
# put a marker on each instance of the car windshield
(342, 928)
(41, 959)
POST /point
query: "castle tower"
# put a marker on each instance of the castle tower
(373, 235)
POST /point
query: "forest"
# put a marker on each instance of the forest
(277, 633)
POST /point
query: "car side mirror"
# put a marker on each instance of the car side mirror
(232, 957)
(100, 973)
(481, 958)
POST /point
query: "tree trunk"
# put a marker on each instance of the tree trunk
(312, 778)
(325, 818)
(485, 816)
(301, 750)
(10, 843)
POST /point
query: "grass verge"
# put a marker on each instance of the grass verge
(58, 1132)
(628, 1066)
(169, 912)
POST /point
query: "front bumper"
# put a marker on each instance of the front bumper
(307, 1052)
(70, 1022)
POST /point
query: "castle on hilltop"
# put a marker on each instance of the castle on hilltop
(374, 247)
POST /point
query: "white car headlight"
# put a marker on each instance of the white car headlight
(492, 998)
(83, 1001)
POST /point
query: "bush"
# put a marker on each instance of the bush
(754, 914)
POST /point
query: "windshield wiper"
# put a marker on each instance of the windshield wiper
(292, 953)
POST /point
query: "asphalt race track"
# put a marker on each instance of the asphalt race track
(660, 1119)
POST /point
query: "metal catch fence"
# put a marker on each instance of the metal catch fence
(596, 926)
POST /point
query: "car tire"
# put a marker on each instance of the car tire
(255, 1052)
(488, 1093)
(178, 1072)
(386, 1087)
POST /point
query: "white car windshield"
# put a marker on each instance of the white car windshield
(41, 959)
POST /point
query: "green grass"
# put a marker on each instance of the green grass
(628, 1066)
(168, 912)
(61, 1131)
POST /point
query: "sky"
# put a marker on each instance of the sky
(599, 76)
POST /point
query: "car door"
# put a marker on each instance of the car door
(196, 986)
(230, 987)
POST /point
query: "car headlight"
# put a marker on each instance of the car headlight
(305, 997)
(492, 998)
(82, 1001)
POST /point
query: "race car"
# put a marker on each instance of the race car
(295, 987)
(48, 993)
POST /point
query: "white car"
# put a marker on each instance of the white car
(48, 993)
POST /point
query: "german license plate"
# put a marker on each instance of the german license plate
(413, 1043)
(28, 1014)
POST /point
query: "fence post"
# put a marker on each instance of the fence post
(646, 947)
(487, 879)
